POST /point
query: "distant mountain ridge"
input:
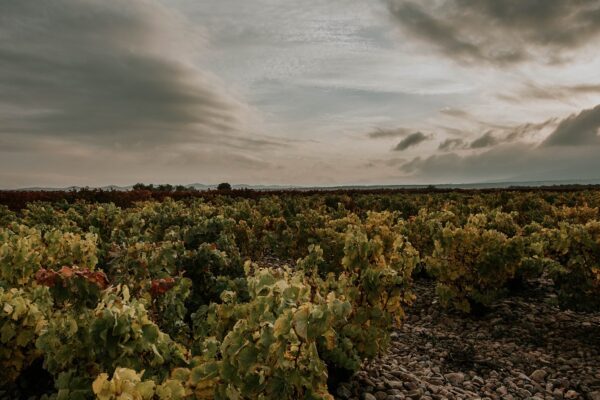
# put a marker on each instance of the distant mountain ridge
(476, 185)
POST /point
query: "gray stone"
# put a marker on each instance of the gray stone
(368, 396)
(594, 395)
(455, 378)
(415, 394)
(381, 395)
(477, 380)
(393, 384)
(538, 375)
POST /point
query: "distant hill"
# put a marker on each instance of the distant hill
(476, 185)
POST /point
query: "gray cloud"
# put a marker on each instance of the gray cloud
(451, 144)
(531, 91)
(525, 130)
(394, 162)
(577, 130)
(380, 133)
(486, 140)
(497, 134)
(411, 140)
(106, 72)
(510, 162)
(455, 112)
(580, 129)
(501, 31)
(569, 152)
(423, 25)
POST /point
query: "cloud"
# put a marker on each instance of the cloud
(507, 162)
(380, 133)
(451, 144)
(531, 91)
(570, 151)
(423, 25)
(498, 134)
(394, 162)
(108, 73)
(455, 112)
(577, 130)
(501, 32)
(486, 140)
(526, 130)
(411, 140)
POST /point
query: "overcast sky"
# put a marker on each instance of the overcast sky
(318, 92)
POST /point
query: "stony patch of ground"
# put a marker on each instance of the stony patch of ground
(525, 347)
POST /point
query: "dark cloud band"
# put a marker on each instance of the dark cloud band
(411, 140)
(501, 31)
(93, 71)
(381, 133)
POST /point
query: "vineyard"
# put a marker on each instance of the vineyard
(277, 296)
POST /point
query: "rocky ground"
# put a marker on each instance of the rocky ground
(524, 348)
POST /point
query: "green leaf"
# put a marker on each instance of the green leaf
(300, 321)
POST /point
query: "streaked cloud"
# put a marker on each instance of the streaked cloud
(510, 162)
(501, 31)
(570, 151)
(388, 133)
(451, 144)
(486, 140)
(532, 91)
(411, 140)
(106, 72)
(455, 112)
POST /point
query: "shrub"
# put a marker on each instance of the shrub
(575, 252)
(473, 265)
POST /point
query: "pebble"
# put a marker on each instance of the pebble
(456, 378)
(525, 348)
(571, 394)
(594, 395)
(538, 375)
